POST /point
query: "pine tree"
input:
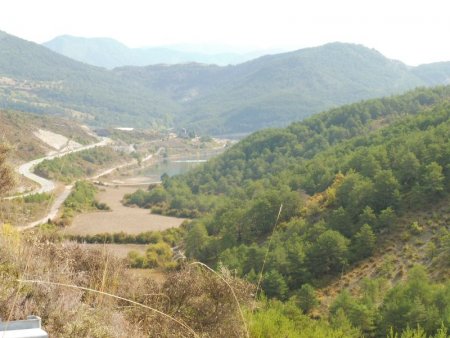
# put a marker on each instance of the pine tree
(196, 240)
(432, 180)
(307, 299)
(274, 285)
(363, 243)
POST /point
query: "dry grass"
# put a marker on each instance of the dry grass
(6, 175)
(19, 213)
(88, 293)
(102, 293)
(117, 250)
(23, 184)
(244, 323)
(18, 129)
(157, 275)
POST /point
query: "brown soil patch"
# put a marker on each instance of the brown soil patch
(120, 218)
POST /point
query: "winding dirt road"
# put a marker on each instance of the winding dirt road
(46, 185)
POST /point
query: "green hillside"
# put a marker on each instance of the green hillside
(36, 79)
(275, 90)
(349, 181)
(342, 219)
(434, 73)
(269, 91)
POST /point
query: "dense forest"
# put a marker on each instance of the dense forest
(316, 197)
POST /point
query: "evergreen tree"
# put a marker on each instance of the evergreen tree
(363, 243)
(196, 241)
(386, 190)
(307, 299)
(408, 169)
(329, 254)
(360, 315)
(367, 217)
(274, 285)
(386, 218)
(341, 221)
(432, 180)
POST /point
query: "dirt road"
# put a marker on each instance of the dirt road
(47, 186)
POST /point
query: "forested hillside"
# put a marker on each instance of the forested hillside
(269, 91)
(434, 73)
(321, 196)
(35, 79)
(277, 89)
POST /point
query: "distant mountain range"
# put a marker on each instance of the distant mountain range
(275, 90)
(269, 91)
(110, 53)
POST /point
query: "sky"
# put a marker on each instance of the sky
(414, 32)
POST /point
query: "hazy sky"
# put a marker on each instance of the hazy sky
(411, 31)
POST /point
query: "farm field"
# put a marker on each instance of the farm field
(120, 218)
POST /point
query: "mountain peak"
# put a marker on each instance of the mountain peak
(79, 39)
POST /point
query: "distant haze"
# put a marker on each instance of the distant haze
(414, 31)
(110, 53)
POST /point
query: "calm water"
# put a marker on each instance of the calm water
(175, 166)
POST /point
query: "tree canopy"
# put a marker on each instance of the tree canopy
(341, 177)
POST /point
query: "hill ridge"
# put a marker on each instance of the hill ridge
(270, 91)
(110, 53)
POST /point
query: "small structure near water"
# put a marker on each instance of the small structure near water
(29, 328)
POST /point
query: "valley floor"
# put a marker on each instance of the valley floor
(120, 218)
